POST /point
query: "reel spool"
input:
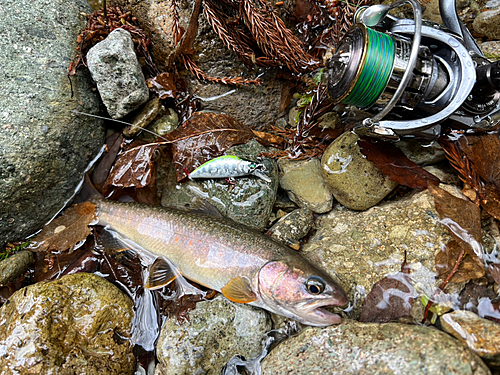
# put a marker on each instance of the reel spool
(416, 83)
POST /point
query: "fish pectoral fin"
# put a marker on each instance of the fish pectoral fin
(112, 242)
(160, 274)
(239, 290)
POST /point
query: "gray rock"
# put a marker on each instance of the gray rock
(78, 323)
(44, 146)
(216, 331)
(292, 227)
(354, 180)
(118, 74)
(249, 201)
(361, 348)
(360, 248)
(251, 105)
(487, 23)
(15, 265)
(304, 184)
(481, 335)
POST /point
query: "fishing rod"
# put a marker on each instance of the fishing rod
(412, 74)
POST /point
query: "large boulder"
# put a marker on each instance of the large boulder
(44, 145)
(79, 324)
(360, 348)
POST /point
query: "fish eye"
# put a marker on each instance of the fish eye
(315, 285)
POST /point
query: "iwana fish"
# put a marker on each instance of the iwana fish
(244, 265)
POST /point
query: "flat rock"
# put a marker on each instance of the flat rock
(118, 74)
(80, 321)
(481, 335)
(361, 248)
(354, 180)
(369, 348)
(216, 331)
(304, 183)
(44, 145)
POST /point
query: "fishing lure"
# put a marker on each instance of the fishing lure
(229, 166)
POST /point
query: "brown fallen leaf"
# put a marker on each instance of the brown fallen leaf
(390, 298)
(67, 230)
(476, 158)
(103, 167)
(483, 150)
(463, 221)
(133, 168)
(394, 164)
(164, 85)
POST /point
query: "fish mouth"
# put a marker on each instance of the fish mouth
(316, 314)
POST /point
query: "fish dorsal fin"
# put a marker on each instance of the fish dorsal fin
(160, 274)
(239, 290)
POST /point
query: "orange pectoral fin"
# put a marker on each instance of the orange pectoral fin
(160, 274)
(238, 290)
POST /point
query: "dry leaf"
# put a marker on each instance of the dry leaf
(463, 221)
(390, 299)
(67, 230)
(394, 164)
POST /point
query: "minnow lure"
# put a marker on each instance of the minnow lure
(229, 166)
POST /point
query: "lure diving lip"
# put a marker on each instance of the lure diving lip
(229, 166)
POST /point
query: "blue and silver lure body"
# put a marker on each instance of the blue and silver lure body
(229, 166)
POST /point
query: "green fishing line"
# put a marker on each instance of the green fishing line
(375, 72)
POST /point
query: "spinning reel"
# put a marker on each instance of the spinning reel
(411, 75)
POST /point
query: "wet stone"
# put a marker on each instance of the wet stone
(491, 49)
(165, 124)
(354, 180)
(216, 331)
(44, 146)
(361, 248)
(292, 227)
(118, 74)
(481, 335)
(304, 184)
(15, 265)
(76, 324)
(329, 120)
(144, 117)
(420, 153)
(487, 22)
(368, 348)
(248, 201)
